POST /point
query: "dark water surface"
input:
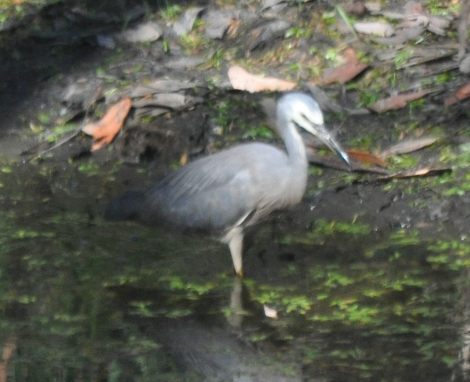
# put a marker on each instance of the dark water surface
(85, 300)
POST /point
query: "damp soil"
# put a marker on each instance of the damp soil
(368, 276)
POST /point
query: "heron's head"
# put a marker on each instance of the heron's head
(305, 113)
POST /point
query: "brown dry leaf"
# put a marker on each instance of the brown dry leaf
(426, 171)
(365, 157)
(344, 73)
(408, 146)
(106, 129)
(244, 80)
(462, 93)
(397, 102)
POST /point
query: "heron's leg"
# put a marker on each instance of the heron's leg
(236, 247)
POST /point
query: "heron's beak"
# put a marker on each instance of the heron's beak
(328, 140)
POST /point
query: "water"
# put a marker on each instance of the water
(86, 300)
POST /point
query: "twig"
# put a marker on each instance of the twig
(463, 27)
(77, 131)
(58, 144)
(345, 18)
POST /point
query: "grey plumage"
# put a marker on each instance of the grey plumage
(223, 193)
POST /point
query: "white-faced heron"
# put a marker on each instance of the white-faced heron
(223, 193)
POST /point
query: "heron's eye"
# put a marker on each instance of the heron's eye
(304, 119)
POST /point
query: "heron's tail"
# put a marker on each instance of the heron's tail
(125, 207)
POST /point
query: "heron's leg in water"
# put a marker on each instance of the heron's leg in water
(236, 247)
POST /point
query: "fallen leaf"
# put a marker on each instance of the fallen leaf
(438, 24)
(401, 36)
(413, 22)
(408, 146)
(185, 23)
(161, 86)
(217, 22)
(149, 112)
(397, 102)
(427, 171)
(263, 35)
(375, 28)
(373, 7)
(271, 4)
(168, 100)
(414, 17)
(106, 129)
(185, 62)
(243, 80)
(462, 93)
(344, 73)
(365, 157)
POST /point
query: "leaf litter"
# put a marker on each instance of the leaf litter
(107, 127)
(163, 95)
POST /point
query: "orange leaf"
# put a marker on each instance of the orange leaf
(462, 93)
(397, 102)
(107, 127)
(243, 80)
(343, 73)
(366, 157)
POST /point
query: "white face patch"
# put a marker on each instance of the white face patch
(314, 116)
(308, 120)
(306, 115)
(303, 111)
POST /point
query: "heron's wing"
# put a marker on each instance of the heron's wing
(218, 191)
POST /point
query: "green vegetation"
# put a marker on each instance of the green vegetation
(172, 11)
(402, 58)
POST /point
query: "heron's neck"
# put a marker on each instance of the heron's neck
(296, 151)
